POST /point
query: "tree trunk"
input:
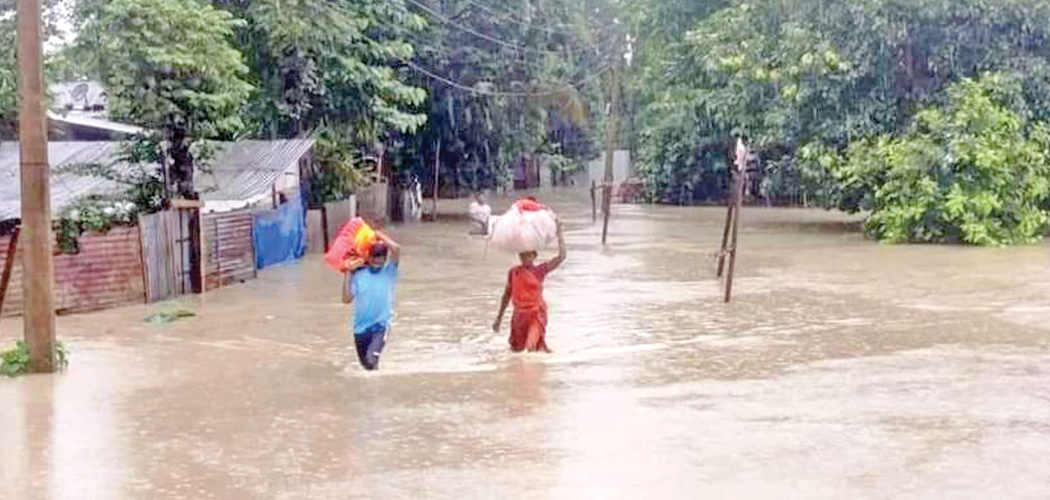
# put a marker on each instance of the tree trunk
(182, 163)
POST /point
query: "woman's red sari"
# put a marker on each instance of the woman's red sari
(528, 327)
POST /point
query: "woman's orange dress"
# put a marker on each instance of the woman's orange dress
(528, 327)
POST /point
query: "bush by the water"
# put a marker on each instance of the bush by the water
(975, 171)
(15, 361)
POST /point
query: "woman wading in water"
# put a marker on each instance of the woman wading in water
(528, 325)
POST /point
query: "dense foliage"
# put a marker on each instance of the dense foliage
(8, 73)
(975, 171)
(339, 168)
(326, 63)
(8, 68)
(326, 68)
(170, 67)
(532, 73)
(807, 78)
(493, 82)
(839, 98)
(797, 72)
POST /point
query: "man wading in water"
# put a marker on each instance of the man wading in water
(528, 325)
(371, 284)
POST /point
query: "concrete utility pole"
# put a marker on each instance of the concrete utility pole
(611, 132)
(37, 265)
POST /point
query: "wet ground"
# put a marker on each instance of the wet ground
(843, 369)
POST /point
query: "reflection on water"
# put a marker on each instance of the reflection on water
(527, 380)
(843, 369)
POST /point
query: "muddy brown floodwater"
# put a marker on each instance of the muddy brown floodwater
(843, 369)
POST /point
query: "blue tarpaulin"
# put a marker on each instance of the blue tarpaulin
(280, 235)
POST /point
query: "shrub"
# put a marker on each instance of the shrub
(975, 171)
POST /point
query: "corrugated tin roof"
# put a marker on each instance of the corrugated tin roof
(64, 188)
(242, 172)
(245, 170)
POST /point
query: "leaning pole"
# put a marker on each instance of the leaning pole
(732, 226)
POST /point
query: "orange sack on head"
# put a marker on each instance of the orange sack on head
(529, 205)
(355, 239)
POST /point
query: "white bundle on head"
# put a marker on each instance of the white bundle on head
(520, 231)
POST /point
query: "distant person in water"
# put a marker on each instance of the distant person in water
(370, 284)
(528, 326)
(479, 213)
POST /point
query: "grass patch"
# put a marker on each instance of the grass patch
(14, 362)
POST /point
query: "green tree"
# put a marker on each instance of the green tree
(975, 171)
(339, 167)
(354, 73)
(327, 68)
(523, 83)
(8, 73)
(808, 77)
(325, 64)
(170, 67)
(8, 64)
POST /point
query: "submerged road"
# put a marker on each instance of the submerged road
(843, 369)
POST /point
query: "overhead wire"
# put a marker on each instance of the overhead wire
(475, 90)
(480, 91)
(509, 17)
(497, 41)
(489, 93)
(420, 42)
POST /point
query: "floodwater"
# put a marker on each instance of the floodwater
(842, 369)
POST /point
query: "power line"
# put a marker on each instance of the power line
(420, 43)
(490, 93)
(508, 17)
(495, 40)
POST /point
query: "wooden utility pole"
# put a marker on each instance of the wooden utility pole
(728, 227)
(729, 234)
(610, 143)
(37, 266)
(736, 226)
(437, 174)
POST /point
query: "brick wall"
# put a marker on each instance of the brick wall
(106, 273)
